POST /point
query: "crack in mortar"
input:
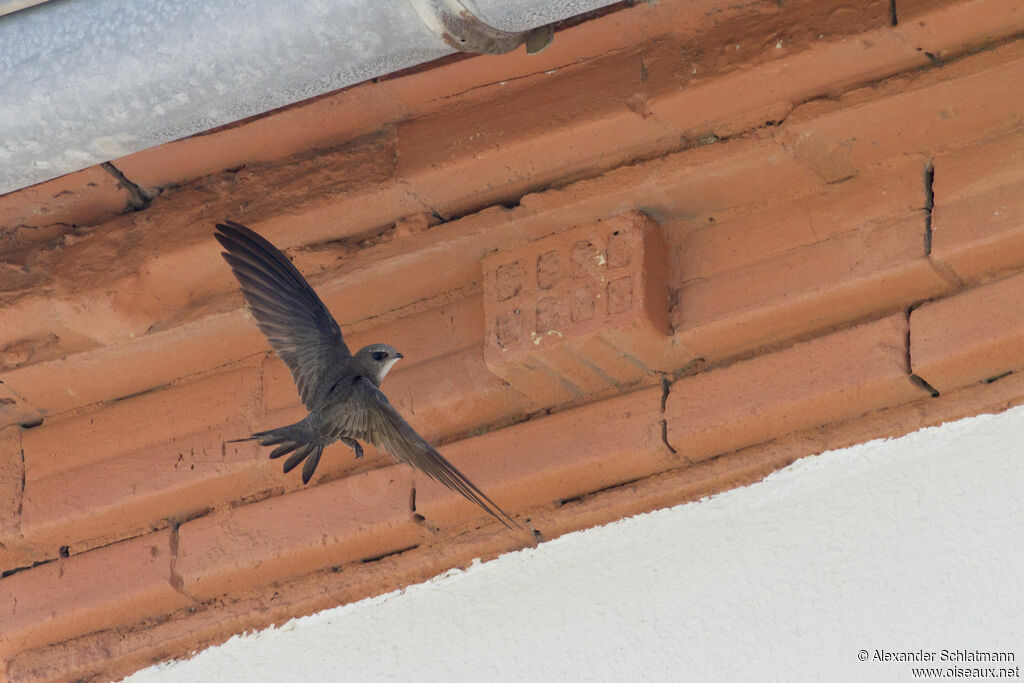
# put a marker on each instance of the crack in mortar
(15, 570)
(21, 452)
(138, 198)
(914, 377)
(176, 580)
(666, 387)
(378, 558)
(538, 537)
(929, 204)
(548, 71)
(944, 270)
(587, 494)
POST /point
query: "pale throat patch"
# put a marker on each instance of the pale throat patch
(386, 366)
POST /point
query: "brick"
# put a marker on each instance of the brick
(806, 289)
(12, 473)
(424, 335)
(293, 202)
(182, 279)
(57, 386)
(362, 516)
(131, 492)
(564, 455)
(453, 395)
(310, 124)
(681, 191)
(28, 349)
(539, 129)
(930, 112)
(579, 312)
(15, 410)
(951, 27)
(81, 297)
(80, 198)
(978, 217)
(68, 308)
(871, 199)
(111, 654)
(775, 55)
(142, 421)
(383, 278)
(825, 380)
(118, 584)
(120, 469)
(975, 335)
(13, 551)
(470, 78)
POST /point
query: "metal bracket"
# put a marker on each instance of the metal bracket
(451, 21)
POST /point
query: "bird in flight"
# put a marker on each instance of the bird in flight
(340, 390)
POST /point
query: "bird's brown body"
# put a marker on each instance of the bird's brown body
(340, 390)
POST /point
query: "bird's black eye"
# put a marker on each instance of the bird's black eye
(379, 356)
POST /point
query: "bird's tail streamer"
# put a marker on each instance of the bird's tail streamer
(297, 439)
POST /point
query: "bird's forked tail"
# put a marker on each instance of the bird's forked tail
(297, 439)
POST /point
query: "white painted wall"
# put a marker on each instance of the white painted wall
(903, 545)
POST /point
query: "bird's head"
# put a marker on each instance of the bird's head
(375, 360)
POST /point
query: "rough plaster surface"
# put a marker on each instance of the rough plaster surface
(901, 545)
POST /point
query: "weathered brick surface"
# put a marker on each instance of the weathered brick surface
(123, 467)
(764, 244)
(168, 261)
(807, 288)
(359, 517)
(690, 184)
(141, 421)
(12, 551)
(112, 372)
(357, 181)
(455, 394)
(129, 493)
(978, 218)
(12, 474)
(554, 458)
(933, 111)
(82, 197)
(122, 651)
(14, 409)
(118, 584)
(948, 28)
(720, 244)
(824, 380)
(538, 128)
(972, 336)
(579, 312)
(311, 124)
(798, 47)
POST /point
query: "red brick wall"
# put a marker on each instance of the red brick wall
(733, 236)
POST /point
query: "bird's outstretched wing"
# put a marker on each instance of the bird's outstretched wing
(369, 416)
(287, 310)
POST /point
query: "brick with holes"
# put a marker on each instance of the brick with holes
(579, 312)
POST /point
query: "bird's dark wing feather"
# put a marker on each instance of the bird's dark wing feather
(287, 310)
(369, 416)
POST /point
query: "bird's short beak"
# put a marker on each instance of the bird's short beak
(398, 355)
